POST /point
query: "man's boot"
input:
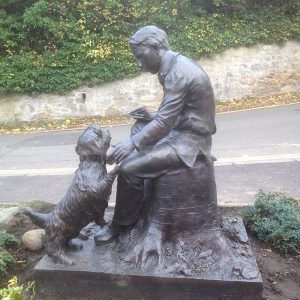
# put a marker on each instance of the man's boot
(109, 233)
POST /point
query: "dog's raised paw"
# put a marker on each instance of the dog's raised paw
(75, 245)
(63, 259)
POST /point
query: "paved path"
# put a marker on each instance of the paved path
(256, 149)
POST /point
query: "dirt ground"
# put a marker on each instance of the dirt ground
(281, 273)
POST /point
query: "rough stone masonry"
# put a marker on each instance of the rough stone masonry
(235, 74)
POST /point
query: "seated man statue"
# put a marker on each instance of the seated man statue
(177, 136)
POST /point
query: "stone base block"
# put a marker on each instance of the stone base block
(96, 276)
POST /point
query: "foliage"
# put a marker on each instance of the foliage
(41, 30)
(275, 220)
(14, 291)
(6, 239)
(5, 259)
(233, 6)
(57, 45)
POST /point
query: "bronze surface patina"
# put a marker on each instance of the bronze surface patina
(85, 200)
(165, 239)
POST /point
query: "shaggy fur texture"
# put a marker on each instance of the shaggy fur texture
(85, 200)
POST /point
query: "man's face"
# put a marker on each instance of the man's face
(147, 57)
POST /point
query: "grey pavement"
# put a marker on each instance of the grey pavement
(256, 149)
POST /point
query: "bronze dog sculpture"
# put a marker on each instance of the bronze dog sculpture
(85, 200)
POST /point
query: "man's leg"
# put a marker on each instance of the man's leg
(130, 191)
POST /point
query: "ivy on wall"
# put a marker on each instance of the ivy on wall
(55, 46)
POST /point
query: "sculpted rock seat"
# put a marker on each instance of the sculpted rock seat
(180, 247)
(180, 219)
(186, 199)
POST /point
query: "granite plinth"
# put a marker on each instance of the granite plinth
(96, 276)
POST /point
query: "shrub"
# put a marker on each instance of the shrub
(275, 220)
(235, 6)
(41, 30)
(57, 45)
(6, 239)
(14, 291)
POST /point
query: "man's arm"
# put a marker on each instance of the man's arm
(175, 89)
(142, 113)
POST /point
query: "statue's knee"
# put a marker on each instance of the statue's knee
(127, 174)
(125, 169)
(122, 170)
(137, 127)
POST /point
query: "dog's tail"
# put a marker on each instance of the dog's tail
(38, 219)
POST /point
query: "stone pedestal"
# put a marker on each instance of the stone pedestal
(96, 274)
(179, 248)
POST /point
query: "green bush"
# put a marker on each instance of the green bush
(6, 239)
(235, 6)
(41, 30)
(54, 46)
(275, 220)
(15, 291)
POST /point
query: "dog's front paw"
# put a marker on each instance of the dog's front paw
(75, 245)
(112, 174)
(62, 258)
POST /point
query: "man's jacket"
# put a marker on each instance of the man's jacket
(186, 117)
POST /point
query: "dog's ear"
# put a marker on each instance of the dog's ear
(77, 150)
(99, 133)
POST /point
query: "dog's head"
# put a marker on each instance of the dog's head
(94, 141)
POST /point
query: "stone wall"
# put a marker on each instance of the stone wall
(237, 73)
(257, 71)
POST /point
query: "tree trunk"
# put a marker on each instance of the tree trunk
(180, 219)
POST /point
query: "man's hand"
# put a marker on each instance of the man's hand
(121, 151)
(141, 113)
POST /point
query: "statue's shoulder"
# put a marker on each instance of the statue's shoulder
(185, 63)
(192, 69)
(187, 68)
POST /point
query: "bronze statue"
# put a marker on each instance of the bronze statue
(166, 239)
(85, 200)
(177, 136)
